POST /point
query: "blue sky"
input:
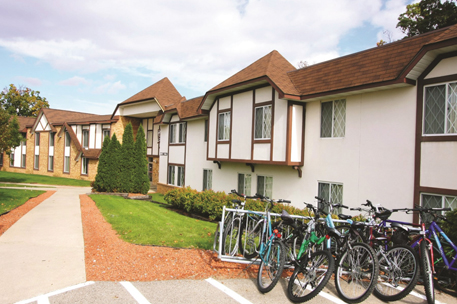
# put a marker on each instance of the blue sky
(89, 55)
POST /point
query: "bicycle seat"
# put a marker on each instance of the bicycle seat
(286, 218)
(344, 216)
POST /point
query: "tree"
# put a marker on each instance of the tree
(103, 170)
(426, 16)
(22, 101)
(10, 137)
(113, 163)
(141, 179)
(127, 165)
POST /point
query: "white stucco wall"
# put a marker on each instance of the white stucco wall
(444, 67)
(242, 126)
(439, 165)
(280, 129)
(163, 154)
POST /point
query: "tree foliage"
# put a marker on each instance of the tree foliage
(103, 170)
(426, 16)
(22, 101)
(10, 137)
(141, 179)
(113, 163)
(127, 165)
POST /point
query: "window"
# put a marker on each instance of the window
(265, 185)
(67, 139)
(263, 122)
(224, 126)
(176, 175)
(1, 159)
(66, 164)
(438, 201)
(206, 130)
(51, 163)
(333, 118)
(106, 132)
(51, 139)
(36, 163)
(149, 135)
(244, 183)
(333, 193)
(85, 139)
(440, 109)
(207, 179)
(12, 159)
(23, 151)
(24, 158)
(84, 165)
(177, 133)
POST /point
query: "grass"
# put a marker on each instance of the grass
(20, 186)
(12, 177)
(13, 198)
(158, 197)
(146, 223)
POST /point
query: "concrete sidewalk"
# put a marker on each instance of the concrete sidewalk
(44, 250)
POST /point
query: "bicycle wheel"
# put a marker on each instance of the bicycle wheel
(356, 273)
(231, 236)
(249, 237)
(311, 276)
(444, 279)
(427, 272)
(271, 267)
(398, 273)
(216, 238)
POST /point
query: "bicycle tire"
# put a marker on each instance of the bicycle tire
(271, 267)
(249, 241)
(396, 280)
(305, 276)
(231, 237)
(353, 268)
(444, 279)
(216, 238)
(427, 272)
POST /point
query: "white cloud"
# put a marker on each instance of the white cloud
(31, 81)
(74, 81)
(196, 43)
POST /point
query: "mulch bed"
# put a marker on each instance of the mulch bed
(109, 258)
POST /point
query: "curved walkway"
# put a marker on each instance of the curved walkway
(44, 250)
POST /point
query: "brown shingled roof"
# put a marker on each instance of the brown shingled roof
(374, 66)
(163, 90)
(273, 65)
(189, 108)
(24, 122)
(59, 117)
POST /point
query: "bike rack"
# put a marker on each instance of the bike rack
(239, 257)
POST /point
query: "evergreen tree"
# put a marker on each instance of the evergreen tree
(141, 180)
(103, 170)
(113, 163)
(127, 165)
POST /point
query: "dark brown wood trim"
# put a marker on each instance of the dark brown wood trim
(438, 191)
(439, 138)
(447, 78)
(253, 124)
(263, 162)
(272, 136)
(303, 129)
(263, 141)
(231, 127)
(289, 131)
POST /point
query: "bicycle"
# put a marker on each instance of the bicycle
(357, 266)
(313, 269)
(398, 264)
(426, 247)
(231, 227)
(272, 251)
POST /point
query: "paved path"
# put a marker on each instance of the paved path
(44, 250)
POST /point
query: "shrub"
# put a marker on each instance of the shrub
(140, 174)
(127, 165)
(103, 169)
(450, 225)
(210, 203)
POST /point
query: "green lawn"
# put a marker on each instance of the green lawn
(12, 177)
(13, 198)
(158, 197)
(146, 223)
(22, 186)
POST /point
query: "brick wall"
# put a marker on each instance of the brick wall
(163, 188)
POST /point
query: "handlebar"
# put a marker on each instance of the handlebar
(243, 195)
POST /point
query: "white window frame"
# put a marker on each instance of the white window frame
(331, 193)
(85, 137)
(207, 179)
(178, 133)
(67, 148)
(224, 123)
(447, 106)
(176, 175)
(334, 134)
(244, 183)
(266, 179)
(84, 166)
(36, 159)
(263, 125)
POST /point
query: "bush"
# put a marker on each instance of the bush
(210, 203)
(450, 226)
